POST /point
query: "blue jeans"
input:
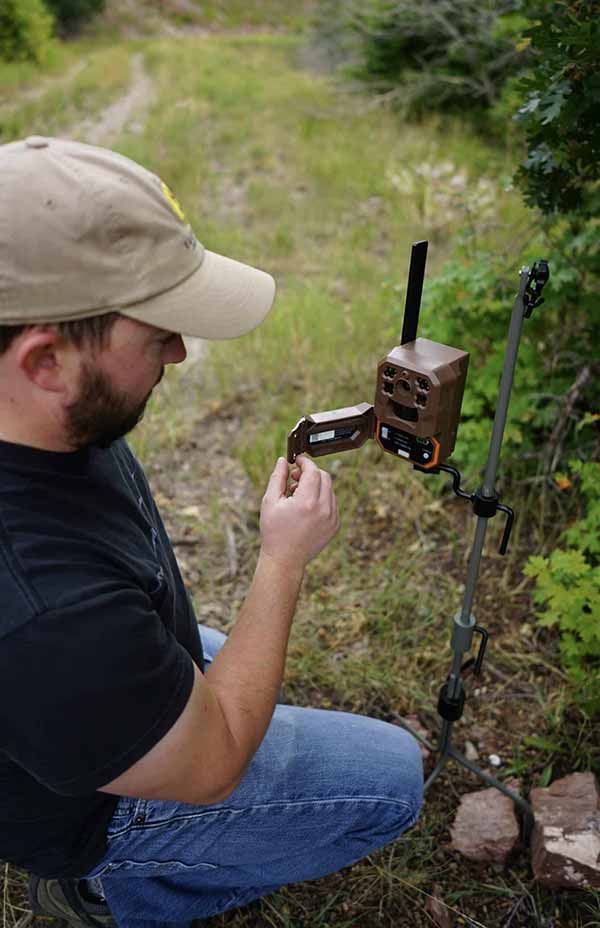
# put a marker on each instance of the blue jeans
(323, 790)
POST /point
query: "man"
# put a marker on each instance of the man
(148, 776)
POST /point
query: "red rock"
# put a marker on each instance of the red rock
(485, 827)
(565, 845)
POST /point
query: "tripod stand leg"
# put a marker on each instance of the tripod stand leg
(443, 748)
(528, 819)
(435, 772)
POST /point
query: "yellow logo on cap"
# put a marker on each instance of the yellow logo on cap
(172, 201)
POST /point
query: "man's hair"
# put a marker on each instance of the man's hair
(94, 330)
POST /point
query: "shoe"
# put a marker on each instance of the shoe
(64, 899)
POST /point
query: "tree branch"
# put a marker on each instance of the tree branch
(555, 442)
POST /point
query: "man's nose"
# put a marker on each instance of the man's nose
(176, 351)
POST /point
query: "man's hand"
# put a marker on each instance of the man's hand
(295, 528)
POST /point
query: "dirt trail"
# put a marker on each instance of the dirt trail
(127, 112)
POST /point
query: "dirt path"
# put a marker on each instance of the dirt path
(128, 112)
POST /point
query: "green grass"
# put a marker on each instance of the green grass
(17, 76)
(309, 191)
(78, 84)
(306, 191)
(270, 14)
(284, 169)
(159, 17)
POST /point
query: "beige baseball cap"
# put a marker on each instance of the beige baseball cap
(86, 231)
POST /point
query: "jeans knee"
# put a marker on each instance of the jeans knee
(398, 797)
(416, 756)
(408, 784)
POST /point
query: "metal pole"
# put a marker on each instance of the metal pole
(508, 373)
(463, 629)
(488, 488)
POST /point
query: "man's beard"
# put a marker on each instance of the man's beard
(101, 414)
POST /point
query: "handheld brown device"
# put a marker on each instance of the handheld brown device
(415, 415)
(418, 395)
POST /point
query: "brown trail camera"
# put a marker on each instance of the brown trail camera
(418, 395)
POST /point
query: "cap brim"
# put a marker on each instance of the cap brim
(221, 299)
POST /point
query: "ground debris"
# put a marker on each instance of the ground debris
(485, 828)
(565, 844)
(438, 910)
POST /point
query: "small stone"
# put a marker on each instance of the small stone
(485, 827)
(471, 752)
(565, 845)
(494, 760)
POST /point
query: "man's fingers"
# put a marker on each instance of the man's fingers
(278, 479)
(303, 469)
(309, 481)
(294, 476)
(306, 465)
(325, 484)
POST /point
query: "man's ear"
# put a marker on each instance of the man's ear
(40, 355)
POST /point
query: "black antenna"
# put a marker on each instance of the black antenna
(416, 275)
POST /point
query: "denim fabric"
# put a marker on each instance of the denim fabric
(323, 790)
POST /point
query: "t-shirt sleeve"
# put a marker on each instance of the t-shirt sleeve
(87, 690)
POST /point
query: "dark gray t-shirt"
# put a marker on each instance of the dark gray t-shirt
(97, 644)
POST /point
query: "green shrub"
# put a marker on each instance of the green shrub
(430, 54)
(561, 178)
(468, 305)
(556, 380)
(568, 587)
(25, 31)
(71, 14)
(561, 112)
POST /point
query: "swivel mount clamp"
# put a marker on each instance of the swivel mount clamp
(450, 707)
(538, 278)
(484, 506)
(488, 506)
(451, 699)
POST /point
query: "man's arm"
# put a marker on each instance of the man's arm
(204, 755)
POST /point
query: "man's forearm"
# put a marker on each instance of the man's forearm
(247, 672)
